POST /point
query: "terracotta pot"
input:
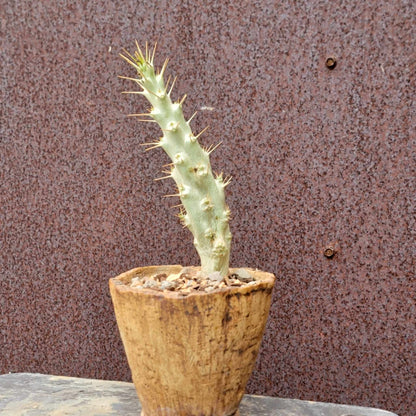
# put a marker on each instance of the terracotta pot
(191, 355)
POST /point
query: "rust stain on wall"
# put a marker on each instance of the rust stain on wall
(320, 153)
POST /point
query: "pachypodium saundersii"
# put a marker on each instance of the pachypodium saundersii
(203, 209)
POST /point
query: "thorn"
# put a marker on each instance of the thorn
(140, 84)
(129, 55)
(140, 115)
(147, 52)
(182, 217)
(182, 100)
(211, 148)
(139, 51)
(163, 177)
(133, 92)
(201, 132)
(153, 93)
(192, 116)
(167, 83)
(144, 120)
(171, 87)
(169, 196)
(130, 78)
(168, 164)
(131, 61)
(153, 53)
(227, 181)
(165, 64)
(149, 144)
(151, 148)
(153, 145)
(176, 206)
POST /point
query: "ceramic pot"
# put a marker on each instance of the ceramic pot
(191, 355)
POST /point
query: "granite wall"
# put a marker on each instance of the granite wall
(323, 160)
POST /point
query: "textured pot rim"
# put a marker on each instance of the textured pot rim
(264, 280)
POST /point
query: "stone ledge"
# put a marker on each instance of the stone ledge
(27, 394)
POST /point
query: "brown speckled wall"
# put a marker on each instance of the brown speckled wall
(320, 158)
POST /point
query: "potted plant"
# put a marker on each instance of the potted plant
(191, 334)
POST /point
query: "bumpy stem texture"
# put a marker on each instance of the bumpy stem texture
(203, 208)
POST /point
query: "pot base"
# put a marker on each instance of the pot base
(237, 413)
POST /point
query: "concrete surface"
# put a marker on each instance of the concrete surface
(44, 395)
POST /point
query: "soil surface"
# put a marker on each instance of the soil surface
(189, 280)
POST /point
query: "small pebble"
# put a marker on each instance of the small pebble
(244, 275)
(150, 284)
(187, 272)
(135, 282)
(160, 277)
(216, 277)
(173, 277)
(138, 286)
(166, 285)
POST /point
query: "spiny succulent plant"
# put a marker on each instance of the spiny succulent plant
(203, 209)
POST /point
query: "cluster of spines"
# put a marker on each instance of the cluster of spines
(203, 209)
